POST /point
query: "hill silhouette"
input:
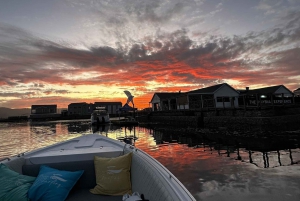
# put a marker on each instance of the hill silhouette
(7, 112)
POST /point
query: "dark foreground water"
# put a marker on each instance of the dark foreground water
(210, 171)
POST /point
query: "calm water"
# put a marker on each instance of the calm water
(208, 173)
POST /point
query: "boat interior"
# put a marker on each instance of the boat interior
(148, 177)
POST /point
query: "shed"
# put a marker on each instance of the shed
(164, 101)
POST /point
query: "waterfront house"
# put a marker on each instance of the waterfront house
(266, 96)
(82, 108)
(164, 101)
(111, 107)
(216, 96)
(43, 109)
(43, 112)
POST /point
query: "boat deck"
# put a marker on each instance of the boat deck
(78, 149)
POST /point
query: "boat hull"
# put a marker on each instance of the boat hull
(100, 119)
(148, 176)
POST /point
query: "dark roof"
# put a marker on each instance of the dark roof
(266, 90)
(78, 103)
(109, 103)
(34, 106)
(210, 90)
(166, 95)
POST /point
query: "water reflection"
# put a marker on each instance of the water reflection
(211, 168)
(264, 152)
(101, 129)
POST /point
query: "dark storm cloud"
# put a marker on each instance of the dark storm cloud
(25, 58)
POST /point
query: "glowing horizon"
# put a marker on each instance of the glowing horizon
(61, 52)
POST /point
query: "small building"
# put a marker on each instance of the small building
(266, 96)
(111, 107)
(39, 112)
(82, 108)
(43, 109)
(164, 101)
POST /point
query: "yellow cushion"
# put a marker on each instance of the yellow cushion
(112, 175)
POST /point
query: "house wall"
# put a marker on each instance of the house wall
(111, 107)
(80, 109)
(43, 109)
(156, 103)
(182, 103)
(226, 91)
(284, 91)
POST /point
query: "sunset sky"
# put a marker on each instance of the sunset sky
(64, 51)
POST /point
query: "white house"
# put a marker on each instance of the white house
(219, 96)
(164, 101)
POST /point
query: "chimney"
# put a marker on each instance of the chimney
(247, 88)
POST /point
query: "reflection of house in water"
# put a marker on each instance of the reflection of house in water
(78, 127)
(101, 129)
(278, 150)
(158, 136)
(42, 128)
(128, 135)
(265, 155)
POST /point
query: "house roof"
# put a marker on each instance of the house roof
(211, 89)
(266, 90)
(165, 95)
(297, 89)
(109, 103)
(35, 106)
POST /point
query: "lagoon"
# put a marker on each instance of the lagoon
(208, 171)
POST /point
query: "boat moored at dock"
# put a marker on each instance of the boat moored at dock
(100, 116)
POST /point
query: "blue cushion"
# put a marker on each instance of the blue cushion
(52, 184)
(14, 186)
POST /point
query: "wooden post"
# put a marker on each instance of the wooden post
(272, 101)
(256, 100)
(215, 104)
(293, 98)
(223, 102)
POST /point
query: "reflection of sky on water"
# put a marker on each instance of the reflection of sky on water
(207, 173)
